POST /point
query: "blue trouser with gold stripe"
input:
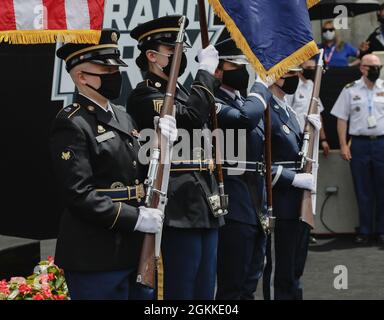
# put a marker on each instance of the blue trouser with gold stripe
(367, 166)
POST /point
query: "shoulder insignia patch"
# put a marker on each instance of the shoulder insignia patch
(69, 111)
(157, 105)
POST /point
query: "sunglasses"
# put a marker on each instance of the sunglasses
(328, 29)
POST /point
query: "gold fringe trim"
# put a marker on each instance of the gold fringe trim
(50, 36)
(160, 279)
(277, 71)
(311, 3)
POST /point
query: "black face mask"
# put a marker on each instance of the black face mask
(236, 79)
(373, 73)
(183, 65)
(309, 74)
(110, 84)
(290, 84)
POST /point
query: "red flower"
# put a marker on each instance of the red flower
(59, 297)
(47, 293)
(51, 276)
(51, 259)
(4, 287)
(25, 289)
(38, 296)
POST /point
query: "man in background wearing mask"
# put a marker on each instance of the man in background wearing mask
(190, 235)
(95, 158)
(300, 100)
(242, 240)
(291, 234)
(375, 40)
(362, 104)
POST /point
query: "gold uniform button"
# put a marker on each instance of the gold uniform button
(131, 144)
(134, 163)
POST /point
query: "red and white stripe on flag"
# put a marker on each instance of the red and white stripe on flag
(48, 21)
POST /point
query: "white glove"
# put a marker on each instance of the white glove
(315, 120)
(208, 59)
(167, 126)
(304, 181)
(149, 221)
(260, 80)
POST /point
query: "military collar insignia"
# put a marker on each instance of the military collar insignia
(157, 84)
(286, 129)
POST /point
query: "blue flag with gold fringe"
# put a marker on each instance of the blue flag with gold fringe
(275, 35)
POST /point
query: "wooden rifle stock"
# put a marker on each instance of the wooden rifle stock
(306, 211)
(215, 125)
(148, 264)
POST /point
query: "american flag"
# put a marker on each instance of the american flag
(45, 21)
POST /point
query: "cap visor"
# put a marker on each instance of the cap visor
(110, 62)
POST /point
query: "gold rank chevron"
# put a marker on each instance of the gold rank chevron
(157, 105)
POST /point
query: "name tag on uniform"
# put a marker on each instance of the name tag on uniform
(372, 123)
(105, 136)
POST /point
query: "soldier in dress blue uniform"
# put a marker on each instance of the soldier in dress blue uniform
(362, 104)
(242, 240)
(189, 244)
(94, 147)
(291, 234)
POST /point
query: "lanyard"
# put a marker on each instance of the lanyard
(328, 57)
(370, 101)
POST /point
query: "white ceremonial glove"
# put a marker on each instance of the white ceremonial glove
(208, 59)
(259, 80)
(167, 126)
(304, 181)
(149, 221)
(315, 120)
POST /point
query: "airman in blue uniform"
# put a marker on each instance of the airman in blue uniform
(285, 264)
(242, 241)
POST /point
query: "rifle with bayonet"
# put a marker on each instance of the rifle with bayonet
(159, 170)
(310, 142)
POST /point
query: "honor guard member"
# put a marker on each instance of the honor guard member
(242, 241)
(285, 265)
(300, 100)
(94, 149)
(362, 104)
(189, 244)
